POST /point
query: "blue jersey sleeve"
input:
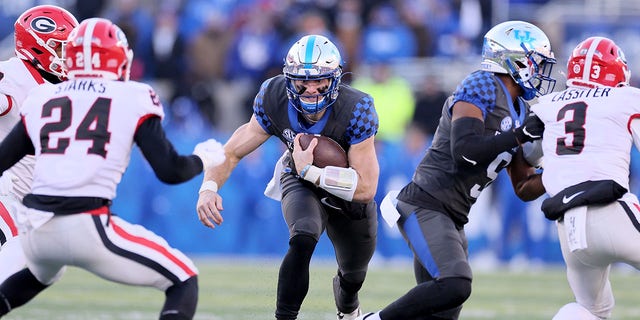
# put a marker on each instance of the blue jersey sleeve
(479, 89)
(258, 106)
(364, 121)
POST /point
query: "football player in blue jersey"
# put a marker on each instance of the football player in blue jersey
(480, 132)
(309, 98)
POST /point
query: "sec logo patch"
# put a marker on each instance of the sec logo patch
(506, 124)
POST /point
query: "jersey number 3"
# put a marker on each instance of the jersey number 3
(94, 126)
(574, 127)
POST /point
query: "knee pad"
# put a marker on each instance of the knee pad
(574, 311)
(351, 281)
(307, 226)
(457, 289)
(303, 243)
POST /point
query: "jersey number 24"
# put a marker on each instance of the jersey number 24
(94, 126)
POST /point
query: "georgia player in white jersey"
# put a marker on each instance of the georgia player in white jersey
(81, 132)
(40, 33)
(589, 131)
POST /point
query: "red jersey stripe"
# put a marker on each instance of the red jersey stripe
(7, 218)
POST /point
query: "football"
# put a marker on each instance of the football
(327, 152)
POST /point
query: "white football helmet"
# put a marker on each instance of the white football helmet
(523, 51)
(313, 57)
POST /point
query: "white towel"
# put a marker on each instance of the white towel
(575, 223)
(273, 189)
(388, 208)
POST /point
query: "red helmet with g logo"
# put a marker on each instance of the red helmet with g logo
(98, 48)
(597, 62)
(40, 35)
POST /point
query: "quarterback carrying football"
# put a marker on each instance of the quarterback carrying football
(309, 98)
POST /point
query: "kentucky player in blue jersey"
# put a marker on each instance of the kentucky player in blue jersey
(309, 98)
(482, 126)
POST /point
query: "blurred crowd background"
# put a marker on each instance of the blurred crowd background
(206, 59)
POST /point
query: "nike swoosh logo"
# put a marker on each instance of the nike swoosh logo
(469, 160)
(535, 136)
(566, 199)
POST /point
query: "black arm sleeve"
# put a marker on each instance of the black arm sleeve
(15, 146)
(468, 141)
(168, 165)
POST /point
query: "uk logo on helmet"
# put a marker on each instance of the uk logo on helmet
(43, 24)
(525, 38)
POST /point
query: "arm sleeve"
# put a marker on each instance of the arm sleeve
(168, 165)
(15, 146)
(470, 147)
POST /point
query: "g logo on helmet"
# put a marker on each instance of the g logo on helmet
(43, 24)
(576, 68)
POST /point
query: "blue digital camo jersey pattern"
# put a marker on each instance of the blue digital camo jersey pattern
(364, 122)
(258, 110)
(353, 111)
(479, 89)
(444, 186)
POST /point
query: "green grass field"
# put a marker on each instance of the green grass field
(245, 290)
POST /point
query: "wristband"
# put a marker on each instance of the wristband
(209, 185)
(304, 170)
(313, 174)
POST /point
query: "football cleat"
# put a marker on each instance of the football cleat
(350, 316)
(370, 315)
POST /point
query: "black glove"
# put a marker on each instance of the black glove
(530, 130)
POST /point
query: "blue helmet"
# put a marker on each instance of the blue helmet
(523, 51)
(313, 57)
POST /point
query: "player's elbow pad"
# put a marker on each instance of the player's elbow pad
(470, 147)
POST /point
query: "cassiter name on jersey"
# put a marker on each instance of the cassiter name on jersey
(81, 85)
(578, 94)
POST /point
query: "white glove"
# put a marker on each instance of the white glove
(211, 152)
(532, 152)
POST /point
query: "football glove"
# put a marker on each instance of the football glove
(532, 152)
(530, 130)
(211, 152)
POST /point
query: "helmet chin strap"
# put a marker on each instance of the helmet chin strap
(317, 106)
(528, 92)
